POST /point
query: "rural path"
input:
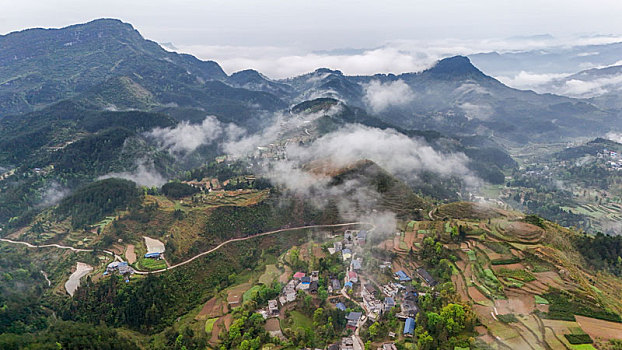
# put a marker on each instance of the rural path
(54, 245)
(30, 245)
(430, 214)
(247, 238)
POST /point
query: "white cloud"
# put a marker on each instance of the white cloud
(145, 174)
(530, 81)
(185, 137)
(590, 88)
(477, 111)
(614, 136)
(53, 194)
(380, 96)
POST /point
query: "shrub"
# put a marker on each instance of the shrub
(578, 338)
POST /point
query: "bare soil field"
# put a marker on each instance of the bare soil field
(284, 278)
(153, 245)
(117, 249)
(476, 295)
(551, 278)
(524, 231)
(234, 295)
(522, 304)
(214, 307)
(273, 325)
(600, 328)
(73, 283)
(130, 254)
(517, 266)
(460, 287)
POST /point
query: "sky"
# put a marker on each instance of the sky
(282, 38)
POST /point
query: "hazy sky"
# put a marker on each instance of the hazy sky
(238, 33)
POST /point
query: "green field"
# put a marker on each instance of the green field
(209, 324)
(150, 264)
(582, 347)
(522, 275)
(471, 255)
(299, 320)
(541, 300)
(271, 273)
(247, 295)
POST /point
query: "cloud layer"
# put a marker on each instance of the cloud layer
(380, 96)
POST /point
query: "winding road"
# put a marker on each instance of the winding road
(30, 245)
(247, 238)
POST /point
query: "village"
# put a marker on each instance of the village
(369, 300)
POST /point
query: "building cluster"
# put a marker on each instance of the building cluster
(300, 281)
(351, 239)
(120, 267)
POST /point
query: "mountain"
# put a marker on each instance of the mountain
(548, 60)
(106, 64)
(92, 60)
(600, 86)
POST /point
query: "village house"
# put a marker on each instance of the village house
(409, 327)
(408, 309)
(388, 346)
(352, 277)
(315, 276)
(289, 292)
(156, 256)
(391, 289)
(313, 287)
(341, 306)
(361, 237)
(347, 343)
(346, 254)
(389, 303)
(335, 285)
(338, 246)
(273, 308)
(370, 289)
(121, 267)
(425, 275)
(373, 307)
(402, 276)
(299, 275)
(353, 320)
(356, 264)
(410, 294)
(385, 265)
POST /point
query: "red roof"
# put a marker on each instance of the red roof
(352, 274)
(299, 275)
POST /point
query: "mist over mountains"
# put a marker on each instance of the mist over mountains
(97, 100)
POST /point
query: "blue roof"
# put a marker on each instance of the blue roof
(341, 306)
(389, 300)
(409, 326)
(348, 284)
(152, 255)
(347, 251)
(402, 276)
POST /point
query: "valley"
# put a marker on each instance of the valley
(149, 200)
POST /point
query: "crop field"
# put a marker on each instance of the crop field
(271, 273)
(297, 320)
(209, 325)
(150, 264)
(214, 307)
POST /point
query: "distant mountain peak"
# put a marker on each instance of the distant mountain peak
(456, 66)
(328, 70)
(248, 75)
